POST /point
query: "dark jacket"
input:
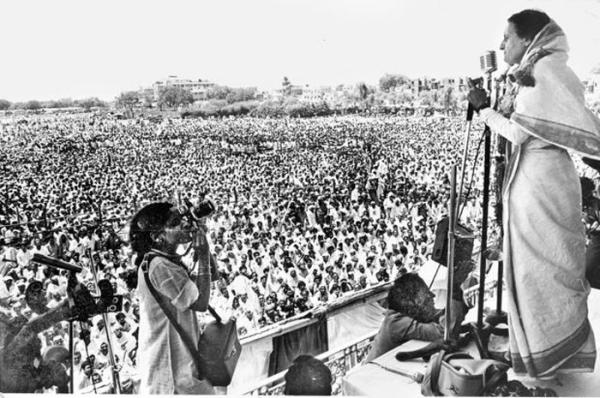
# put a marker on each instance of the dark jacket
(398, 328)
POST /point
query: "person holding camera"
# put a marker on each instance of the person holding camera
(543, 113)
(165, 364)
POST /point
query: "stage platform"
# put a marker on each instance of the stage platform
(385, 375)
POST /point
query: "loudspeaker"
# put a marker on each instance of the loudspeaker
(463, 248)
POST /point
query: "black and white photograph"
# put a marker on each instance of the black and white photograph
(300, 197)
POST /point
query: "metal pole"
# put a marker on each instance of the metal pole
(71, 354)
(484, 225)
(451, 238)
(499, 287)
(115, 373)
(463, 168)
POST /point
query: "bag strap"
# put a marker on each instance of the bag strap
(434, 377)
(187, 340)
(149, 256)
(422, 352)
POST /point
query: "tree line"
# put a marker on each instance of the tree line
(394, 91)
(34, 105)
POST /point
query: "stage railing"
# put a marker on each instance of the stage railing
(339, 361)
(309, 317)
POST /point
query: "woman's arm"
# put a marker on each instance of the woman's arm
(206, 262)
(503, 126)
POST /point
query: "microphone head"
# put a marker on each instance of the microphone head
(55, 262)
(488, 62)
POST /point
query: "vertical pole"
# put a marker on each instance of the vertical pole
(451, 241)
(115, 374)
(484, 224)
(71, 354)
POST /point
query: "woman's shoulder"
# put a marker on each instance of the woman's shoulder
(162, 264)
(551, 64)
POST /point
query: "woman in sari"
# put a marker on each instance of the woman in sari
(543, 115)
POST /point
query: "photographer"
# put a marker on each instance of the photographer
(165, 364)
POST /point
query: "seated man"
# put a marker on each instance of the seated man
(411, 314)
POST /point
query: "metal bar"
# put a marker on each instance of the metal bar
(484, 224)
(71, 354)
(115, 373)
(463, 169)
(451, 239)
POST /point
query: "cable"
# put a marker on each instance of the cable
(87, 353)
(472, 175)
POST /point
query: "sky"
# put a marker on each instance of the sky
(78, 49)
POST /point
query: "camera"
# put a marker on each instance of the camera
(204, 209)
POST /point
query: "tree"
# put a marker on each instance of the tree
(89, 103)
(61, 103)
(33, 105)
(449, 100)
(218, 92)
(286, 86)
(148, 100)
(363, 91)
(388, 82)
(173, 96)
(240, 95)
(128, 100)
(4, 104)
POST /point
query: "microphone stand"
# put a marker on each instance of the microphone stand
(463, 169)
(484, 329)
(71, 355)
(487, 144)
(498, 316)
(115, 372)
(450, 258)
(448, 343)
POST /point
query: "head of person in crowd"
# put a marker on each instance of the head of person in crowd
(410, 295)
(87, 367)
(35, 296)
(104, 348)
(158, 226)
(308, 376)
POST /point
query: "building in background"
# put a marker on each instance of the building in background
(198, 88)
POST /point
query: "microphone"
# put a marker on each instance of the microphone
(55, 262)
(488, 62)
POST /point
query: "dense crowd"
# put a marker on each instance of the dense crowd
(308, 210)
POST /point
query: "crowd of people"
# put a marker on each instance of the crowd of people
(307, 211)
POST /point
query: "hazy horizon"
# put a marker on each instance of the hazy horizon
(68, 49)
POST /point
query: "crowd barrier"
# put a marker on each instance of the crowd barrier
(269, 352)
(350, 324)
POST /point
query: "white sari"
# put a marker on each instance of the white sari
(544, 244)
